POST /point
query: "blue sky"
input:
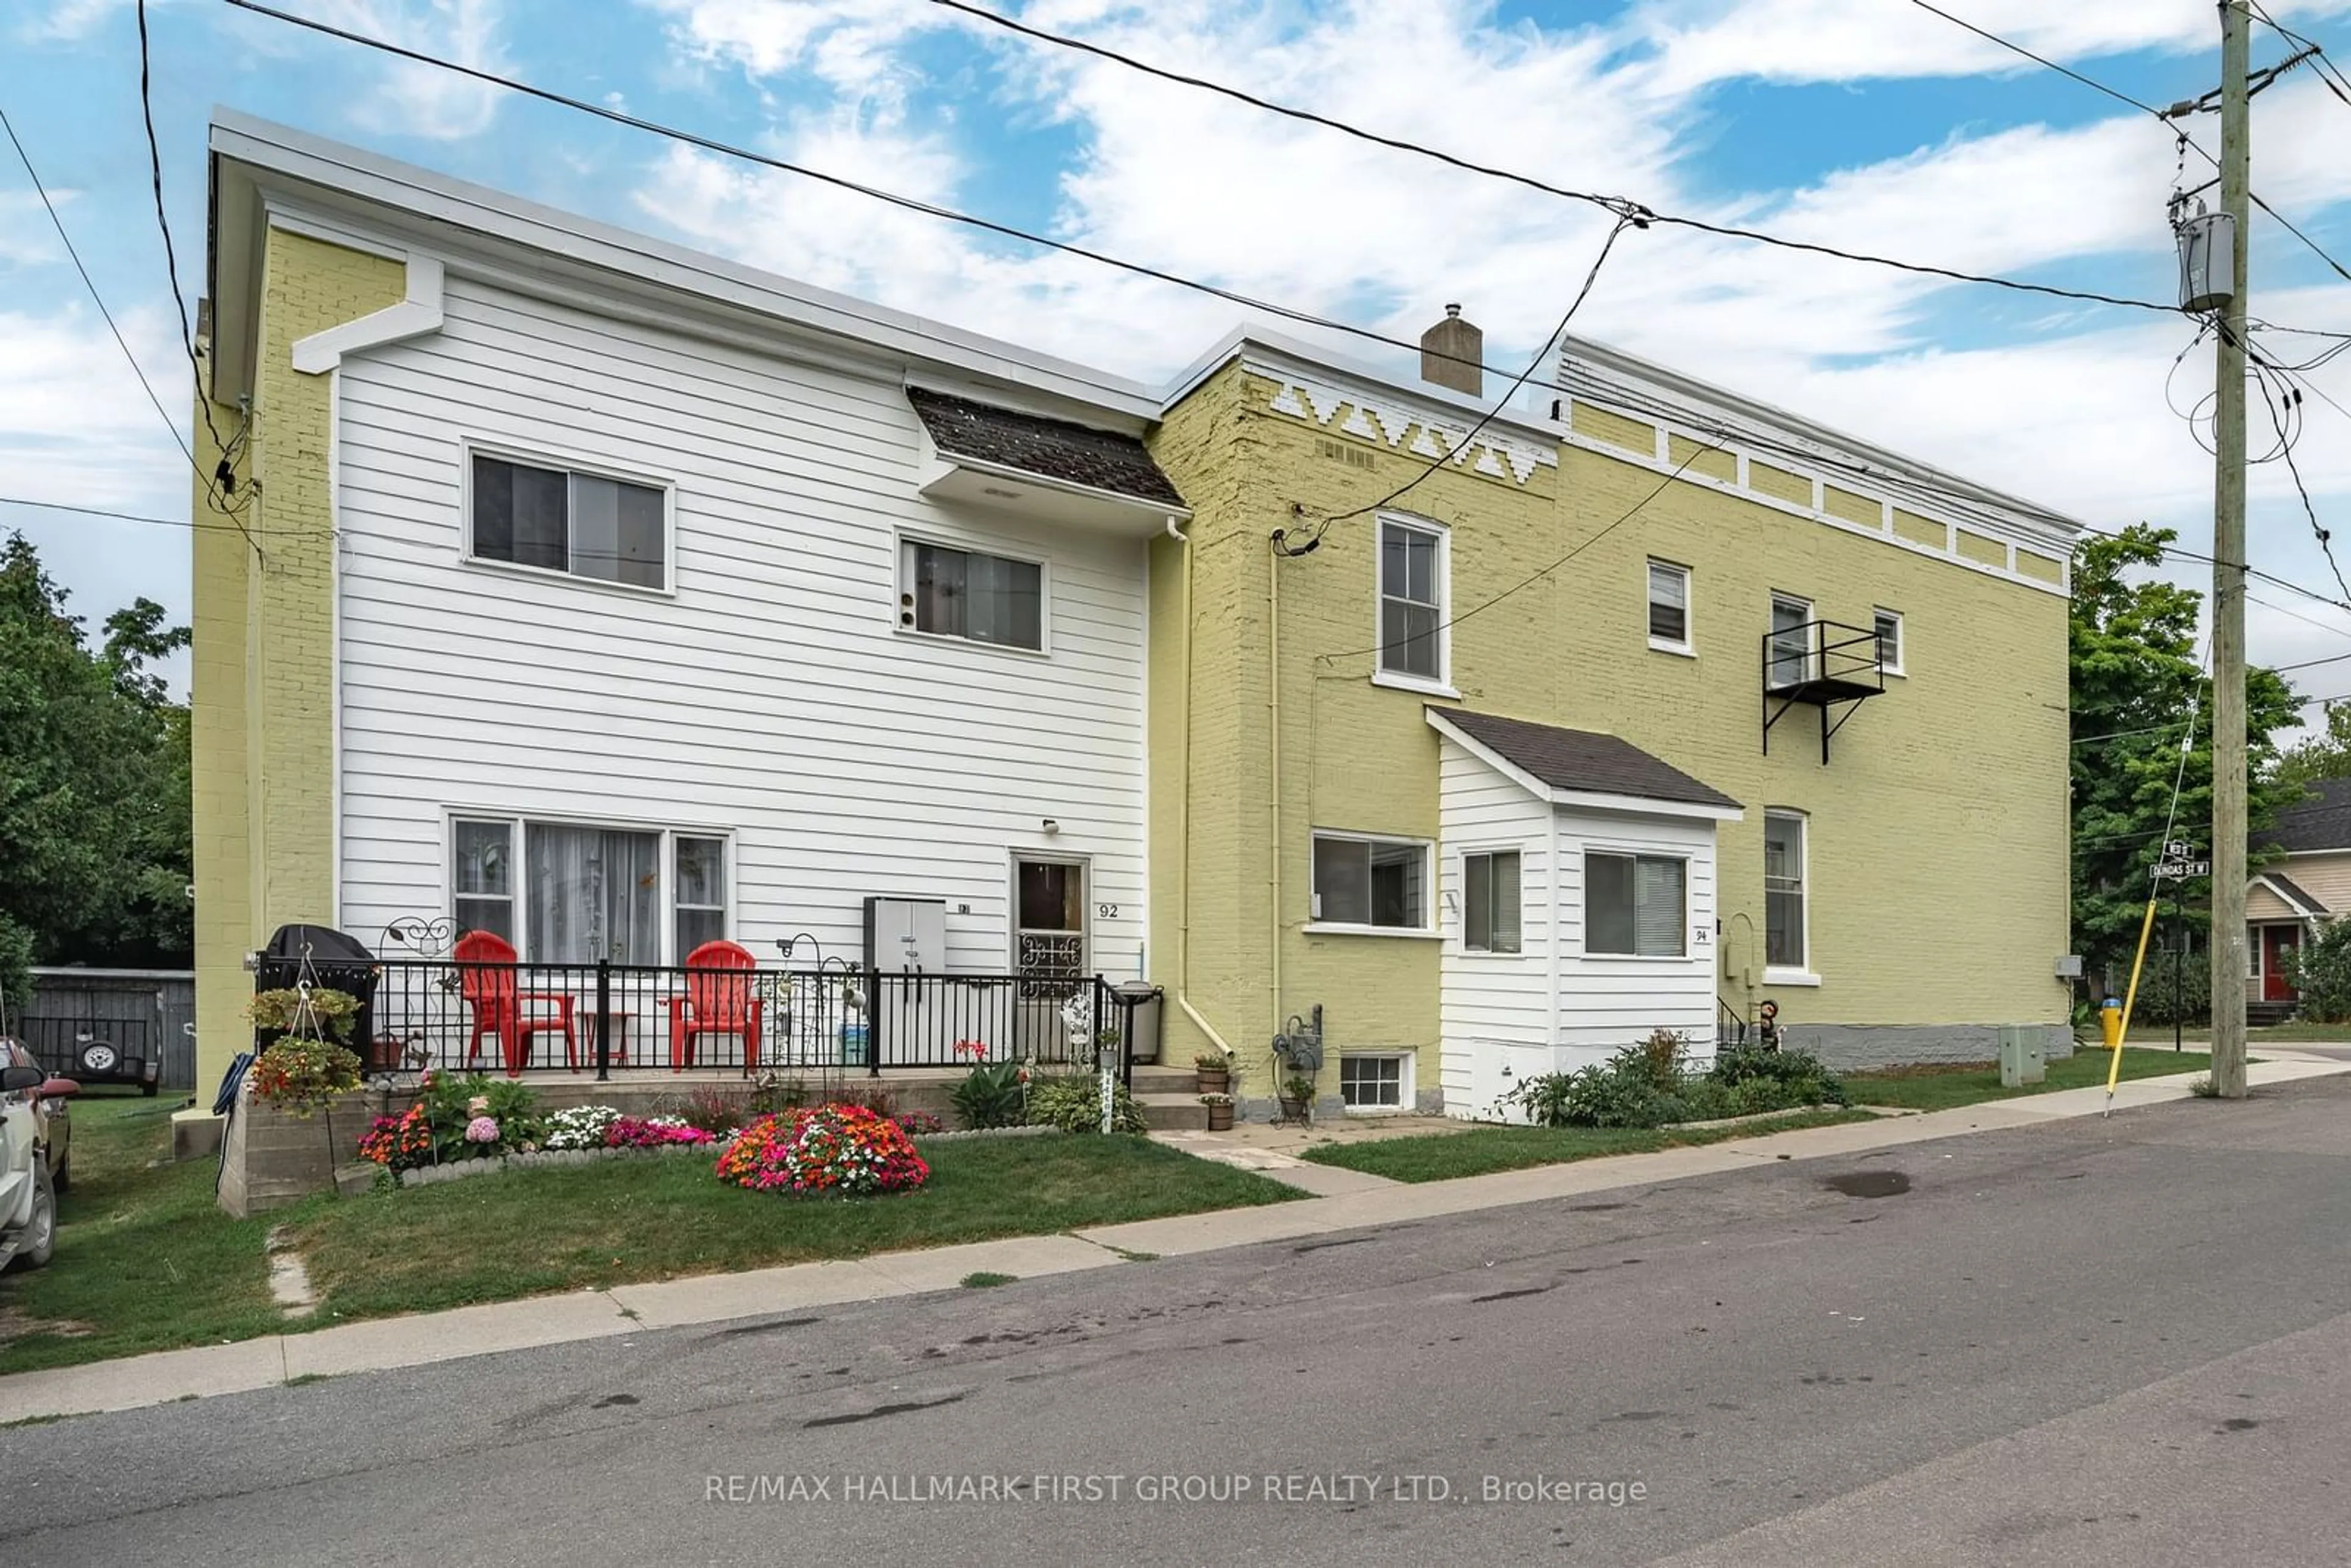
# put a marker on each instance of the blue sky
(1866, 123)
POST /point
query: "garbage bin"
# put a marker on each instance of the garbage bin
(2110, 1020)
(1139, 1003)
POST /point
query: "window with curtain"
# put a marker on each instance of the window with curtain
(1784, 938)
(1791, 640)
(573, 894)
(1669, 605)
(1371, 881)
(1889, 640)
(1634, 904)
(963, 594)
(701, 893)
(1411, 601)
(559, 520)
(1489, 901)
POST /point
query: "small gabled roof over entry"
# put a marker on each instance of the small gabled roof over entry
(990, 454)
(1581, 767)
(2291, 894)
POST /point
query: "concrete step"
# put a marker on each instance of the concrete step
(1163, 1112)
(1156, 1080)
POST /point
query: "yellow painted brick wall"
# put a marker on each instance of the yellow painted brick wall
(1939, 825)
(263, 694)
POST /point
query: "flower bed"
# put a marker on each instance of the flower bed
(823, 1149)
(425, 1176)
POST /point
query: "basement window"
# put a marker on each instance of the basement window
(1373, 1082)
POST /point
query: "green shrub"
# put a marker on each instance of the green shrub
(1072, 1101)
(1650, 1085)
(992, 1096)
(2321, 971)
(2153, 1004)
(1790, 1077)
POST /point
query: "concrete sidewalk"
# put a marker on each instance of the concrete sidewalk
(1349, 1200)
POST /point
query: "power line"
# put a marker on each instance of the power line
(197, 523)
(222, 481)
(2159, 116)
(1614, 203)
(1441, 459)
(2328, 71)
(1531, 579)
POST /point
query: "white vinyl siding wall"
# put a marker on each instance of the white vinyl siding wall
(1607, 1001)
(1489, 1000)
(769, 697)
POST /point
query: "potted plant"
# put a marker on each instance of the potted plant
(1220, 1111)
(1215, 1072)
(1297, 1097)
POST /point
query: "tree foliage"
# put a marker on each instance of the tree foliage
(2326, 756)
(2136, 680)
(94, 807)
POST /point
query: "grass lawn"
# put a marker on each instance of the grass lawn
(145, 1261)
(1479, 1151)
(1940, 1088)
(492, 1238)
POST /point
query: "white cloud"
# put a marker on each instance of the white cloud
(75, 425)
(25, 233)
(850, 45)
(424, 100)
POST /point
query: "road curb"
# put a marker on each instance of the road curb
(386, 1343)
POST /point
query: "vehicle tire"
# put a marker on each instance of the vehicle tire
(149, 1088)
(61, 1179)
(41, 1233)
(98, 1058)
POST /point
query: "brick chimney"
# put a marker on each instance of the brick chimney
(1452, 354)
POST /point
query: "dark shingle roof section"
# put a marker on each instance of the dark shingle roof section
(2294, 891)
(2321, 821)
(1050, 448)
(1583, 760)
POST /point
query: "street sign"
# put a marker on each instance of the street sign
(2176, 870)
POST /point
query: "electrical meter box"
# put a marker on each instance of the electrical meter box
(906, 936)
(2023, 1059)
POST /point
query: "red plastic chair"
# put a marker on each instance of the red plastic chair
(719, 1000)
(486, 982)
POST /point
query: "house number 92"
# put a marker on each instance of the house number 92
(1106, 911)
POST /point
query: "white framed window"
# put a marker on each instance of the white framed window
(1414, 563)
(1490, 918)
(1787, 935)
(577, 893)
(551, 516)
(1669, 606)
(1888, 623)
(1792, 659)
(1375, 1080)
(701, 901)
(1367, 884)
(945, 591)
(1633, 906)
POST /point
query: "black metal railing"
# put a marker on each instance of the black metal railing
(1730, 1025)
(598, 1017)
(1825, 665)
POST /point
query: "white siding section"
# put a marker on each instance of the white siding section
(1554, 1007)
(1607, 1001)
(770, 695)
(1490, 1000)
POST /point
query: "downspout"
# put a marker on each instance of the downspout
(1273, 750)
(1183, 819)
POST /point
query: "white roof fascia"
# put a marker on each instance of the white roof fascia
(1297, 355)
(371, 181)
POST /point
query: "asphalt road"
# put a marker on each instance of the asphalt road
(2123, 1342)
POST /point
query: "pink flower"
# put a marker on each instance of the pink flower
(482, 1130)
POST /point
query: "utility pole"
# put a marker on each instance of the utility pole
(2229, 574)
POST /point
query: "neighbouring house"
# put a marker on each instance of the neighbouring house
(1641, 712)
(610, 599)
(2307, 883)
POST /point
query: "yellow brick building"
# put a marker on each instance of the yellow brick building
(1920, 853)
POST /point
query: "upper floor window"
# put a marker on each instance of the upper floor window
(560, 520)
(1889, 640)
(1669, 627)
(1411, 601)
(1793, 647)
(963, 594)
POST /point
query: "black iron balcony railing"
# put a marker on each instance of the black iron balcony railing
(1825, 665)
